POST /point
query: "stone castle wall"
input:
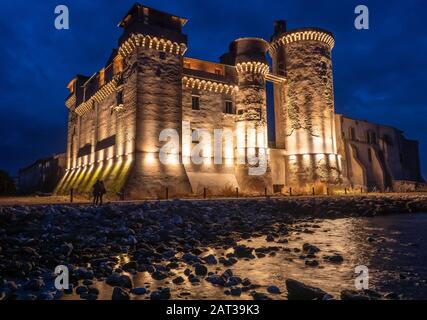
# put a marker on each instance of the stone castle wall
(308, 108)
(117, 115)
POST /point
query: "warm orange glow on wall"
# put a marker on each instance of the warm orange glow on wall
(206, 66)
(71, 85)
(102, 77)
(149, 158)
(118, 64)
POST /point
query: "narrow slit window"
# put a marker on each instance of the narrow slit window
(195, 136)
(195, 103)
(229, 107)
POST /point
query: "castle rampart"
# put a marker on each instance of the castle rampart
(118, 117)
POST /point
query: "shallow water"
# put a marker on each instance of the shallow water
(396, 260)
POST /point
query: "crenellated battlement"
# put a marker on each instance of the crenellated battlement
(149, 42)
(100, 95)
(253, 67)
(208, 85)
(308, 34)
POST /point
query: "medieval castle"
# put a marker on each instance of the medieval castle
(117, 115)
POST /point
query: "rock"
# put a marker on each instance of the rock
(227, 262)
(246, 282)
(300, 291)
(259, 296)
(87, 282)
(193, 279)
(83, 273)
(200, 270)
(233, 281)
(139, 291)
(70, 289)
(30, 251)
(81, 289)
(188, 257)
(159, 275)
(126, 282)
(246, 235)
(243, 252)
(334, 258)
(236, 292)
(353, 295)
(46, 296)
(270, 238)
(34, 285)
(210, 259)
(130, 266)
(216, 280)
(120, 294)
(93, 290)
(162, 294)
(227, 273)
(67, 249)
(273, 290)
(117, 280)
(173, 265)
(310, 248)
(177, 220)
(312, 263)
(178, 280)
(373, 294)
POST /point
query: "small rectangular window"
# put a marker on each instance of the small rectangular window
(229, 107)
(194, 136)
(240, 112)
(162, 55)
(195, 103)
(119, 98)
(369, 155)
(373, 138)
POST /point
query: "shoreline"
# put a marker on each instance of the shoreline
(83, 201)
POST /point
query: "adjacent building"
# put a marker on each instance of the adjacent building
(42, 176)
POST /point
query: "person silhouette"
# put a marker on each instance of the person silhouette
(96, 192)
(102, 191)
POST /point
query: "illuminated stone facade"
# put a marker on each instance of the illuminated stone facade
(118, 117)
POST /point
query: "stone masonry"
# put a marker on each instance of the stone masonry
(118, 117)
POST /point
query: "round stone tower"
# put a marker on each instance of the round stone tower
(253, 172)
(305, 105)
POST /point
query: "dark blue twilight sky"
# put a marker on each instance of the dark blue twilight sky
(380, 74)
